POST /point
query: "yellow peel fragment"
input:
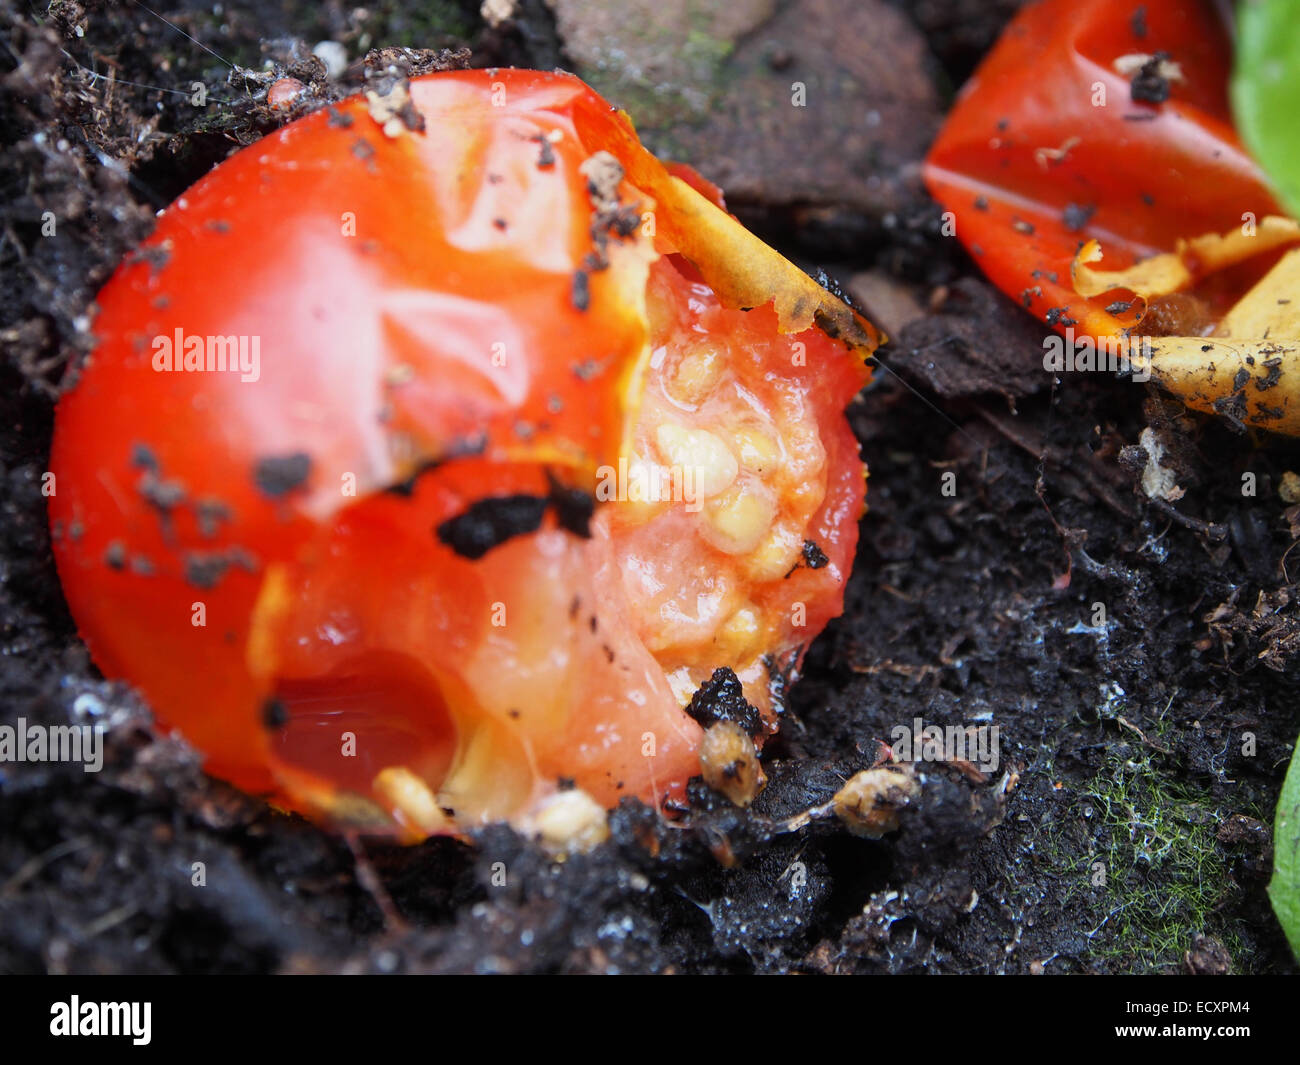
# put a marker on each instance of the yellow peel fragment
(1192, 260)
(412, 801)
(1249, 371)
(1271, 308)
(1254, 382)
(745, 272)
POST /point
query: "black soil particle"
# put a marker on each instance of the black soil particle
(275, 715)
(1138, 22)
(488, 523)
(722, 698)
(545, 153)
(1149, 85)
(573, 509)
(1076, 216)
(115, 555)
(813, 556)
(581, 290)
(278, 475)
(205, 571)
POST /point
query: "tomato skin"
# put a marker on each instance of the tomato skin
(428, 318)
(1031, 166)
(280, 208)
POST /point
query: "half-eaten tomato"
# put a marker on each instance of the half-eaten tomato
(438, 447)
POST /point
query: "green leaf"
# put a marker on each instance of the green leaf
(1266, 90)
(1284, 888)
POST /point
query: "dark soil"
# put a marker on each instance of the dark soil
(1139, 659)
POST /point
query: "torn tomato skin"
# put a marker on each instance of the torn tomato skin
(1026, 141)
(370, 381)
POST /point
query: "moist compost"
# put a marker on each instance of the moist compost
(1138, 657)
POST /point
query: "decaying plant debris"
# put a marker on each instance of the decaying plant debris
(1123, 731)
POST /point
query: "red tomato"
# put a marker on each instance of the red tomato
(361, 571)
(1051, 143)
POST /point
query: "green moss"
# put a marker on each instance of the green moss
(1165, 874)
(425, 24)
(664, 95)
